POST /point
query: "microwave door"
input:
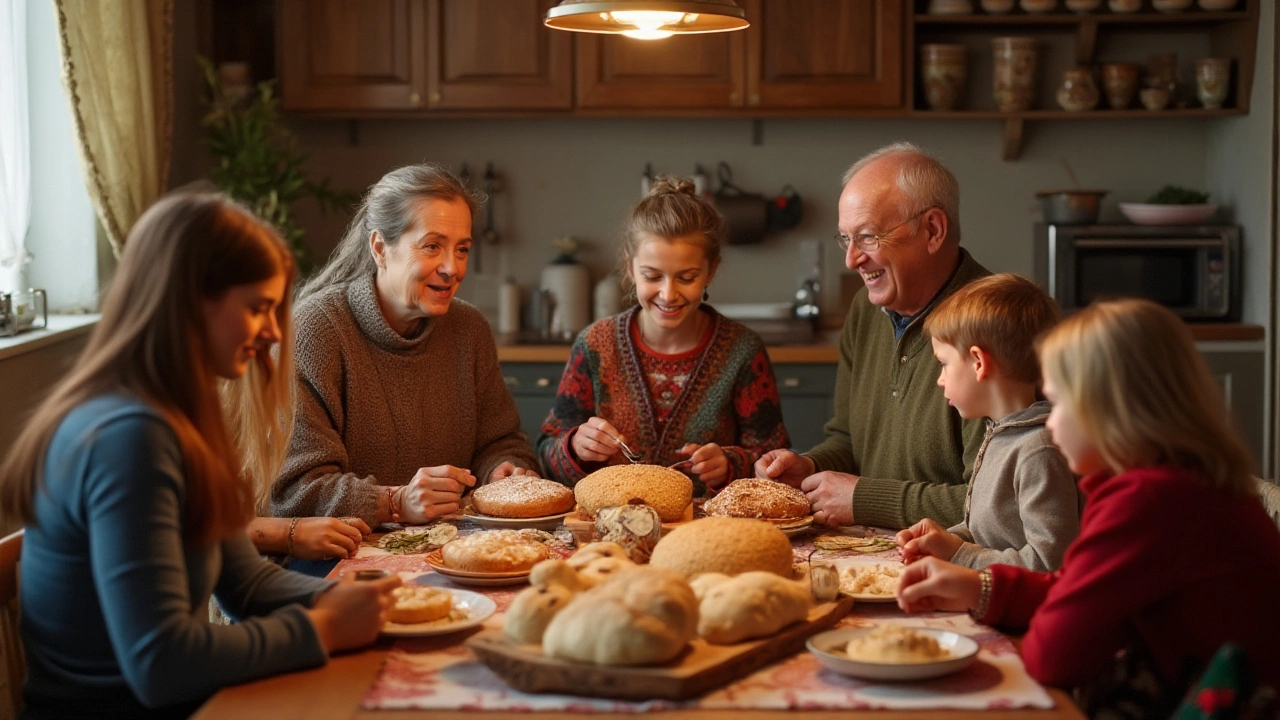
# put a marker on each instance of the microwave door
(1167, 271)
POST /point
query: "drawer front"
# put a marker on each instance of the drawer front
(539, 379)
(805, 379)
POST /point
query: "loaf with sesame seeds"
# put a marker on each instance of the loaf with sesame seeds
(522, 496)
(758, 498)
(665, 490)
(724, 545)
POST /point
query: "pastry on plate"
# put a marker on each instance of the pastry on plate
(522, 496)
(419, 604)
(757, 498)
(494, 551)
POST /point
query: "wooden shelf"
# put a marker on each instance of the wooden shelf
(1082, 115)
(1049, 19)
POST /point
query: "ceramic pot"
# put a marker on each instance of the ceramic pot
(1124, 6)
(944, 71)
(1171, 6)
(1078, 92)
(997, 7)
(1154, 98)
(1038, 6)
(1014, 72)
(1120, 80)
(950, 7)
(1213, 75)
(1083, 6)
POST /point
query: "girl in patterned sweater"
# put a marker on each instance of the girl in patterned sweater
(670, 377)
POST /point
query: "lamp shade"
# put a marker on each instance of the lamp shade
(647, 19)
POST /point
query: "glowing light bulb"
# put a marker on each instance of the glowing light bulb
(647, 19)
(648, 34)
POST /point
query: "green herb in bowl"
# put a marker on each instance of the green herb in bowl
(1175, 195)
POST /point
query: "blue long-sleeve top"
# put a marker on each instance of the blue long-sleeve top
(115, 598)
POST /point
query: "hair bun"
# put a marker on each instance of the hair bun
(672, 185)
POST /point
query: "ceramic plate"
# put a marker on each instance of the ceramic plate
(547, 522)
(477, 579)
(870, 598)
(792, 529)
(476, 606)
(828, 648)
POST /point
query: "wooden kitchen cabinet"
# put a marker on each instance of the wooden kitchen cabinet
(337, 55)
(496, 54)
(817, 54)
(797, 55)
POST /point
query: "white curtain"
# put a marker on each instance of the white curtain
(15, 146)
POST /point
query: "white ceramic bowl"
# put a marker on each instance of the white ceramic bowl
(1148, 214)
(828, 648)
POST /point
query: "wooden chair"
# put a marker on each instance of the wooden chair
(12, 660)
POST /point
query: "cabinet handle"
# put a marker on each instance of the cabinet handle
(415, 99)
(754, 98)
(435, 98)
(791, 382)
(511, 380)
(543, 382)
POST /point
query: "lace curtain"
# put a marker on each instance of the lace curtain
(118, 69)
(15, 146)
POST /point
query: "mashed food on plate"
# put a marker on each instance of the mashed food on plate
(895, 644)
(873, 580)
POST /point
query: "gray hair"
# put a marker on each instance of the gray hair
(923, 179)
(388, 207)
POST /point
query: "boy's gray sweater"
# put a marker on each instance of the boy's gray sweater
(1023, 506)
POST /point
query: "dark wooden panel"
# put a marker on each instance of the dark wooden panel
(693, 71)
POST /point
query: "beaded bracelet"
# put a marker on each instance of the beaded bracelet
(392, 507)
(984, 596)
(293, 525)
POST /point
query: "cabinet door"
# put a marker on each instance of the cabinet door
(1241, 373)
(496, 54)
(341, 55)
(533, 385)
(808, 401)
(696, 72)
(825, 53)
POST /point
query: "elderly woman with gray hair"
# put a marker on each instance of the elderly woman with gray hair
(400, 397)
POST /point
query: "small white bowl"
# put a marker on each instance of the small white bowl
(828, 647)
(1150, 214)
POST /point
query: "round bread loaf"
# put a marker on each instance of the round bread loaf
(757, 498)
(724, 545)
(419, 604)
(522, 496)
(663, 489)
(495, 551)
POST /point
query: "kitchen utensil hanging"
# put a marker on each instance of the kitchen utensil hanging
(747, 214)
(488, 236)
(785, 210)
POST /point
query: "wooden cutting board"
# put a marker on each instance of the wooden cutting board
(700, 668)
(584, 529)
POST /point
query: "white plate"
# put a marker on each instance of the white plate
(869, 598)
(546, 522)
(962, 647)
(477, 606)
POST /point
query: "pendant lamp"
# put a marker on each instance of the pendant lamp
(647, 19)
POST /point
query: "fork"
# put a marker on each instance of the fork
(631, 456)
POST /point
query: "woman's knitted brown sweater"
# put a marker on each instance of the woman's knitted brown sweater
(374, 407)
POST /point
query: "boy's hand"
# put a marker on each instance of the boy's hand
(927, 539)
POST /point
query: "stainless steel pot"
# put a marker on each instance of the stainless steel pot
(1070, 207)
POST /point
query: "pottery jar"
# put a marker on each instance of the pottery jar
(1120, 80)
(944, 70)
(1014, 72)
(1212, 78)
(1154, 98)
(1078, 91)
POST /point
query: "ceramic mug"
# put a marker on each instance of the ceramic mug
(944, 70)
(1121, 83)
(1078, 91)
(1213, 75)
(1014, 72)
(1154, 98)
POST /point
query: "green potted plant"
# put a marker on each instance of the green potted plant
(258, 160)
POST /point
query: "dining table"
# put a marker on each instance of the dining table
(438, 677)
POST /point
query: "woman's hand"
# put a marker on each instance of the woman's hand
(350, 614)
(709, 463)
(508, 469)
(927, 538)
(321, 538)
(934, 584)
(784, 466)
(432, 493)
(596, 440)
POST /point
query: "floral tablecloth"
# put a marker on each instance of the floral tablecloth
(439, 673)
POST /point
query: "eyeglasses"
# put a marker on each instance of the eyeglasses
(867, 242)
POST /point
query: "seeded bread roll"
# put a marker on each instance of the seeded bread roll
(419, 604)
(494, 551)
(663, 489)
(757, 498)
(522, 496)
(724, 545)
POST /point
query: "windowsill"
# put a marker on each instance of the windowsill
(61, 328)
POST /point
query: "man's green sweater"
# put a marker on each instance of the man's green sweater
(893, 426)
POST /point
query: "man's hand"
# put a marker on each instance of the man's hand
(785, 466)
(927, 539)
(433, 492)
(830, 496)
(708, 462)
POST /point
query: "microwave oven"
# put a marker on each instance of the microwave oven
(1192, 270)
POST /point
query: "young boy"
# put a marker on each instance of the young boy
(1023, 507)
